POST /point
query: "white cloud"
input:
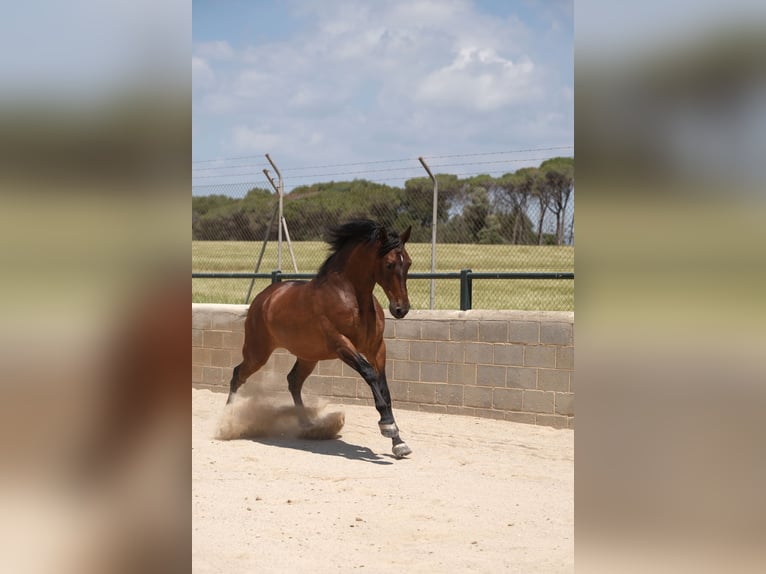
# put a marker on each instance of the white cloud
(479, 79)
(218, 103)
(246, 139)
(218, 50)
(315, 99)
(250, 83)
(202, 74)
(358, 81)
(316, 138)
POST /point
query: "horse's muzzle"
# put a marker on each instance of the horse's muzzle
(399, 310)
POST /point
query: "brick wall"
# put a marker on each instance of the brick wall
(512, 365)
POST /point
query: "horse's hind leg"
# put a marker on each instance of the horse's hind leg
(251, 362)
(235, 382)
(295, 379)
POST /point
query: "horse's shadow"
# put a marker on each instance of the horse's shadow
(332, 447)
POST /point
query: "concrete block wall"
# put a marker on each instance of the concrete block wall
(512, 365)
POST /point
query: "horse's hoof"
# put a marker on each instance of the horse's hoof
(389, 430)
(401, 450)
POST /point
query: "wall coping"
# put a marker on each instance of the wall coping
(420, 314)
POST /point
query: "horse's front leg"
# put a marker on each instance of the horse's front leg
(389, 429)
(376, 379)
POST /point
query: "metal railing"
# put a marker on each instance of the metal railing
(466, 277)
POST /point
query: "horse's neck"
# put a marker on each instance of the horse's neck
(358, 272)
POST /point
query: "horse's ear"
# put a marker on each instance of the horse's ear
(405, 236)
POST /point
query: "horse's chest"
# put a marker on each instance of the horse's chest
(362, 330)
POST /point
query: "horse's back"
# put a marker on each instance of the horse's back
(277, 298)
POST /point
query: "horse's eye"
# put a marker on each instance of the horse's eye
(389, 265)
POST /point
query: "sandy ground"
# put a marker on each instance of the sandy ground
(476, 495)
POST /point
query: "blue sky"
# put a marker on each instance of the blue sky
(343, 89)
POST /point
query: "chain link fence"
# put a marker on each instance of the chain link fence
(484, 224)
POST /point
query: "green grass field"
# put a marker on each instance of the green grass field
(552, 295)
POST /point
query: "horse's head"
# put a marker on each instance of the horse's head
(391, 274)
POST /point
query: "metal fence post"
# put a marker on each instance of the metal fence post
(280, 192)
(263, 245)
(433, 229)
(276, 276)
(466, 289)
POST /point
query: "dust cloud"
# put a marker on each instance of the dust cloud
(261, 415)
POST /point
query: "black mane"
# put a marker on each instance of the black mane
(355, 232)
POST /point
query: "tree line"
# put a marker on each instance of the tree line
(481, 209)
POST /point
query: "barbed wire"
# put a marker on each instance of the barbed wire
(262, 184)
(289, 188)
(371, 162)
(382, 170)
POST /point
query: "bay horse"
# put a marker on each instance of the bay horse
(335, 315)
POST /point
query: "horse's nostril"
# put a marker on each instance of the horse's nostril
(398, 310)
